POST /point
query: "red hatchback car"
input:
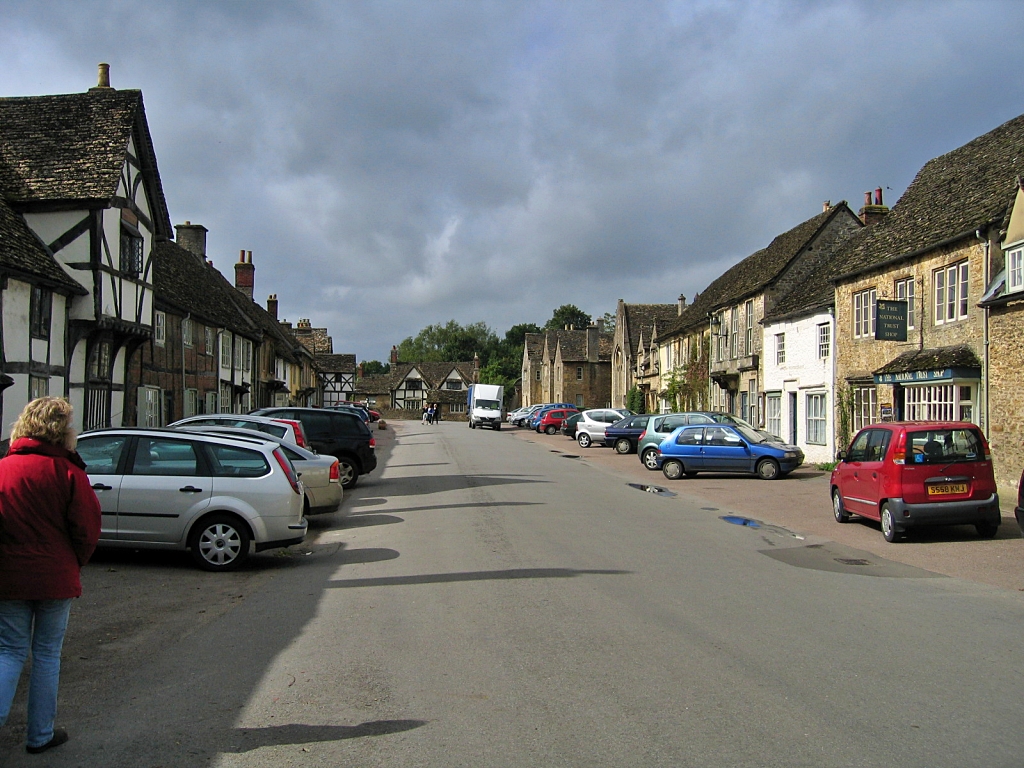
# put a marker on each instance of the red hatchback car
(913, 474)
(552, 420)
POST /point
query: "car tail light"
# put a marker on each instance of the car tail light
(289, 470)
(988, 451)
(335, 476)
(373, 441)
(642, 435)
(899, 454)
(300, 436)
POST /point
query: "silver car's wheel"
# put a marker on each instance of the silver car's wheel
(349, 475)
(219, 543)
(841, 515)
(672, 469)
(650, 458)
(888, 524)
(622, 445)
(584, 440)
(550, 429)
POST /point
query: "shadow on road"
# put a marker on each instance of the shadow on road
(447, 578)
(297, 733)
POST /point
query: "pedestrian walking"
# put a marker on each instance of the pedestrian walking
(49, 527)
(423, 416)
(437, 413)
(430, 414)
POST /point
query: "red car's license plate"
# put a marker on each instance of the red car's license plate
(947, 489)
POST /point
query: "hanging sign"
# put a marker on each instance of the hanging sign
(890, 320)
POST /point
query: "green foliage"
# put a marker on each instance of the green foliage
(516, 335)
(687, 388)
(375, 367)
(827, 466)
(635, 401)
(609, 322)
(844, 415)
(449, 342)
(568, 314)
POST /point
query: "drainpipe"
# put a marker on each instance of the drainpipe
(985, 341)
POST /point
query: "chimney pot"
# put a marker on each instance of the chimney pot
(245, 276)
(867, 198)
(102, 78)
(878, 196)
(826, 206)
(681, 304)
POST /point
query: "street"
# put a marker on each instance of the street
(508, 599)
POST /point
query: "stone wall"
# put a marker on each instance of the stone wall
(1006, 370)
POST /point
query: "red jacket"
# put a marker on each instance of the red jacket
(49, 521)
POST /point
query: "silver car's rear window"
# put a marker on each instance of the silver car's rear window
(229, 461)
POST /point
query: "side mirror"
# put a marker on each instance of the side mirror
(840, 455)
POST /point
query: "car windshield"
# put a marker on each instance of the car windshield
(944, 445)
(492, 405)
(750, 434)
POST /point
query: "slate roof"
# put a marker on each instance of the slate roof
(337, 363)
(951, 197)
(642, 319)
(182, 281)
(375, 384)
(534, 346)
(957, 356)
(751, 275)
(434, 373)
(22, 253)
(574, 345)
(72, 147)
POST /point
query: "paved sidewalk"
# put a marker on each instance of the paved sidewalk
(800, 503)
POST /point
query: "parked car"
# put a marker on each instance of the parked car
(590, 428)
(286, 429)
(624, 434)
(320, 475)
(660, 426)
(358, 410)
(334, 433)
(552, 420)
(912, 474)
(217, 496)
(536, 416)
(725, 448)
(569, 425)
(524, 415)
(1018, 511)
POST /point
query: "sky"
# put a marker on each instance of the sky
(394, 164)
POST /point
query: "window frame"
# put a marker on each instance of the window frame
(780, 348)
(824, 341)
(131, 251)
(905, 289)
(40, 312)
(950, 293)
(159, 328)
(816, 418)
(748, 336)
(1015, 269)
(864, 303)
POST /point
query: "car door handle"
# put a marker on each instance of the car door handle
(190, 489)
(102, 487)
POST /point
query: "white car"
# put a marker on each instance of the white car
(592, 424)
(215, 495)
(287, 429)
(321, 475)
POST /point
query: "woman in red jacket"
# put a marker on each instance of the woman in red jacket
(49, 526)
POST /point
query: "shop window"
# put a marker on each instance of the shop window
(865, 406)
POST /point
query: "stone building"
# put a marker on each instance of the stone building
(576, 367)
(533, 369)
(636, 327)
(934, 254)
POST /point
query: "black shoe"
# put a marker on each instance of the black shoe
(59, 737)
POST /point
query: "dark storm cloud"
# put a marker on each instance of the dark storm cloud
(395, 164)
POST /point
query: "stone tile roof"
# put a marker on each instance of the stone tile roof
(642, 318)
(434, 373)
(534, 346)
(22, 253)
(951, 197)
(574, 345)
(376, 384)
(337, 363)
(72, 147)
(751, 275)
(184, 282)
(957, 356)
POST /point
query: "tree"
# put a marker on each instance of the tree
(450, 342)
(635, 401)
(375, 367)
(568, 314)
(609, 322)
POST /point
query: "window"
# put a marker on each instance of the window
(186, 332)
(773, 404)
(225, 397)
(1015, 269)
(457, 408)
(950, 293)
(723, 337)
(229, 461)
(225, 350)
(131, 253)
(167, 457)
(864, 314)
(865, 404)
(748, 341)
(579, 373)
(208, 341)
(905, 291)
(538, 374)
(191, 402)
(824, 341)
(39, 311)
(579, 401)
(159, 328)
(453, 384)
(211, 402)
(734, 331)
(939, 402)
(780, 349)
(99, 362)
(38, 386)
(246, 354)
(102, 453)
(237, 355)
(816, 418)
(149, 407)
(414, 385)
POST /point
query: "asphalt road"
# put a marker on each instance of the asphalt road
(494, 601)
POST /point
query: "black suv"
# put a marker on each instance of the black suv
(334, 433)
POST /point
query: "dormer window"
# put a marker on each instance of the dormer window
(1015, 269)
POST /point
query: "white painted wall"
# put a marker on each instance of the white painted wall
(802, 373)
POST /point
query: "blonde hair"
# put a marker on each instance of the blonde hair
(47, 419)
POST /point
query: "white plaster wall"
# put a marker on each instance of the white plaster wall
(803, 372)
(48, 227)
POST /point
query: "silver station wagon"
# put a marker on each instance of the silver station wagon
(218, 496)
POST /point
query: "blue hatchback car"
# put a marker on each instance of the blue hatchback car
(725, 448)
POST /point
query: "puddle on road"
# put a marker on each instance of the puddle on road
(655, 489)
(569, 456)
(741, 521)
(709, 509)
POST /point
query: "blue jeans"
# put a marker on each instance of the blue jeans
(39, 624)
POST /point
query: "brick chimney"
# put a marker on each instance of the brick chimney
(593, 339)
(680, 304)
(245, 274)
(359, 372)
(872, 213)
(394, 355)
(192, 237)
(272, 305)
